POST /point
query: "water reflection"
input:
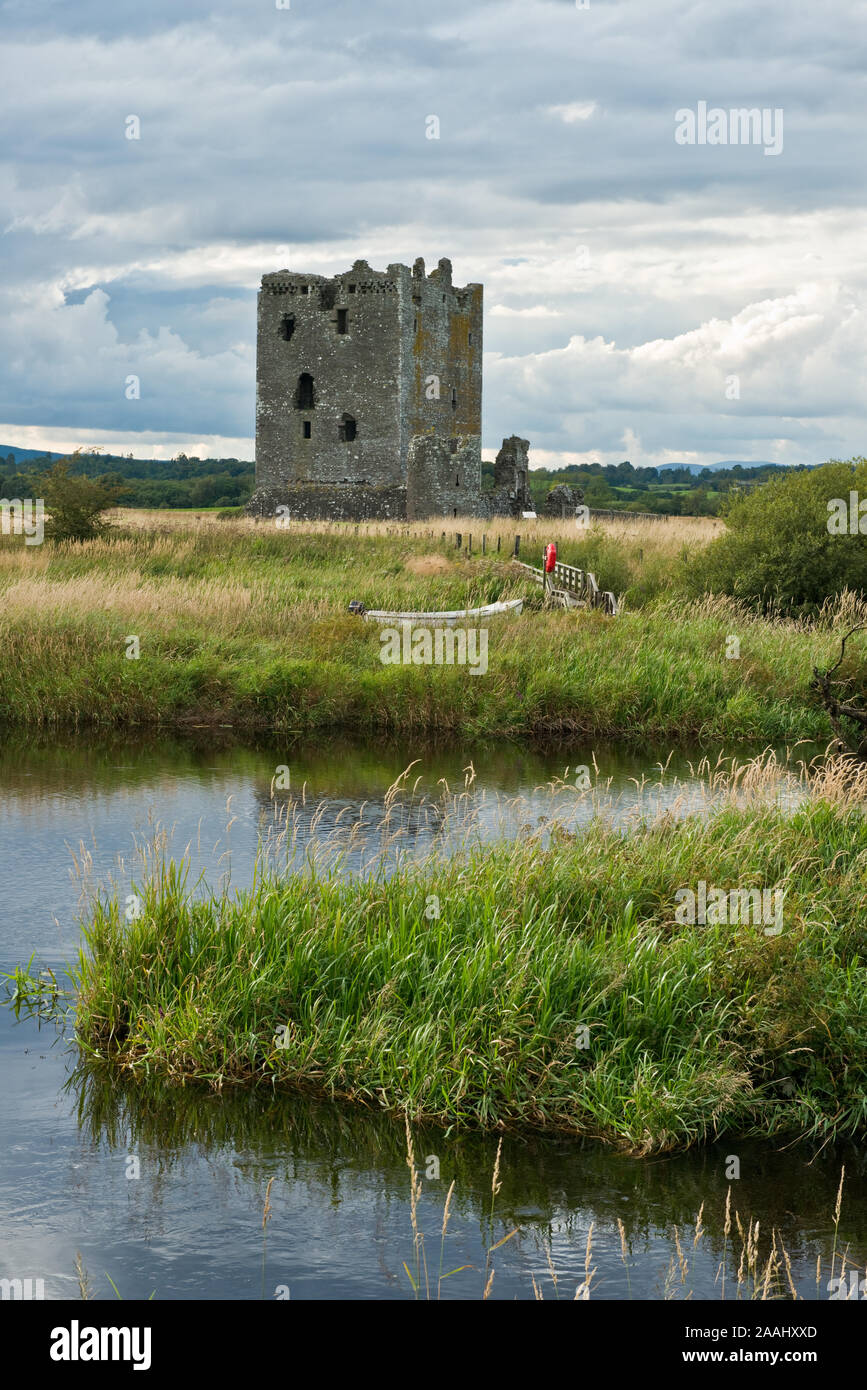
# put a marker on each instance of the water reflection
(341, 1177)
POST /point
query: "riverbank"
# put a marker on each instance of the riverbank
(247, 627)
(551, 983)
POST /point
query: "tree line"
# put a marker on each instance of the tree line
(177, 482)
(229, 482)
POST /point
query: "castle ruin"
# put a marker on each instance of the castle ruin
(369, 399)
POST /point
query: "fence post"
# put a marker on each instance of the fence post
(517, 546)
(499, 538)
(458, 539)
(484, 538)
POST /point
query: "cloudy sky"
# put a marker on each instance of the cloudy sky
(644, 298)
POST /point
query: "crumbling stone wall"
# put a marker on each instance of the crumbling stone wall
(510, 495)
(444, 477)
(562, 501)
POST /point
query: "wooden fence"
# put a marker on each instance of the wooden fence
(574, 587)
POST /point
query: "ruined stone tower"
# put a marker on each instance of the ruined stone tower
(369, 394)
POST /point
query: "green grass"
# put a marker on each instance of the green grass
(471, 1018)
(250, 628)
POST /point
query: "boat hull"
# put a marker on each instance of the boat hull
(449, 617)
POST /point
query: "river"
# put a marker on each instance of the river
(162, 1190)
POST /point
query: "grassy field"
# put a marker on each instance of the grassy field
(247, 625)
(473, 1011)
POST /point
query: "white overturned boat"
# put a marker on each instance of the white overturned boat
(452, 616)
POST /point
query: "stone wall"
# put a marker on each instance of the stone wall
(562, 501)
(326, 502)
(442, 348)
(495, 502)
(511, 471)
(444, 476)
(344, 333)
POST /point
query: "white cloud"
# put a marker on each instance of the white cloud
(798, 361)
(537, 311)
(573, 111)
(145, 444)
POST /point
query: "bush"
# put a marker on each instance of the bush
(779, 553)
(75, 504)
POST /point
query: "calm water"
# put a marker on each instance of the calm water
(189, 1226)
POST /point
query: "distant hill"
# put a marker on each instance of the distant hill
(22, 455)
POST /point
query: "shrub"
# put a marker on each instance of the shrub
(75, 504)
(779, 552)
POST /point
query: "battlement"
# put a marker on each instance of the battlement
(361, 279)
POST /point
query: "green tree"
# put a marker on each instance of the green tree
(75, 505)
(597, 493)
(784, 547)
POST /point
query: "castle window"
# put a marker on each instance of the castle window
(287, 327)
(341, 320)
(352, 289)
(457, 480)
(308, 429)
(415, 325)
(454, 398)
(470, 339)
(303, 289)
(327, 295)
(347, 429)
(304, 398)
